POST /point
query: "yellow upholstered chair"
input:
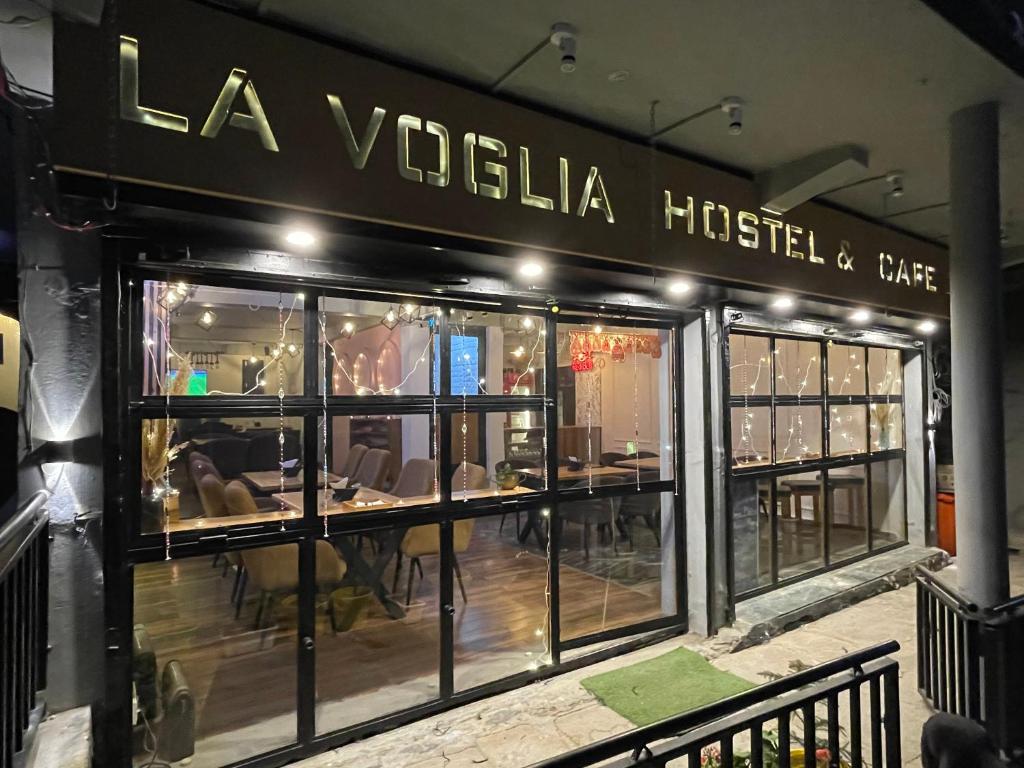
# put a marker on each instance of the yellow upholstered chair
(424, 540)
(211, 496)
(274, 571)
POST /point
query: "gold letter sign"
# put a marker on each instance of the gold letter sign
(130, 109)
(256, 121)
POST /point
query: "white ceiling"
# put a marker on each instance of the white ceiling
(883, 74)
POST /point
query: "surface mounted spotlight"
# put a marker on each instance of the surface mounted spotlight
(531, 269)
(206, 319)
(300, 237)
(733, 107)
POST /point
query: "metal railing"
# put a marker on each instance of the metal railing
(849, 707)
(969, 660)
(24, 578)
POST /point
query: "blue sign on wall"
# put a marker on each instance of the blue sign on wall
(465, 365)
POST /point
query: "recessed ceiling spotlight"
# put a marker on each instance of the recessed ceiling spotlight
(618, 75)
(679, 287)
(860, 316)
(206, 319)
(895, 180)
(733, 107)
(436, 248)
(300, 237)
(782, 303)
(598, 329)
(531, 269)
(927, 326)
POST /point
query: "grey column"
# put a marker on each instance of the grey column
(976, 292)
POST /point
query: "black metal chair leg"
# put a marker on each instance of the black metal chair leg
(458, 575)
(240, 597)
(238, 580)
(419, 566)
(398, 570)
(502, 523)
(586, 541)
(412, 573)
(654, 528)
(260, 606)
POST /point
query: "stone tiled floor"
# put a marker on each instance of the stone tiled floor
(530, 724)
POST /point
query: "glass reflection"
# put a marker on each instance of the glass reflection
(885, 371)
(751, 436)
(750, 366)
(496, 354)
(801, 529)
(886, 426)
(847, 488)
(797, 367)
(750, 500)
(613, 570)
(846, 375)
(210, 472)
(797, 433)
(207, 340)
(848, 430)
(207, 640)
(615, 404)
(888, 503)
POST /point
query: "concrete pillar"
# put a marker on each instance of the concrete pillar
(977, 354)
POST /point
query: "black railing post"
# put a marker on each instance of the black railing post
(893, 744)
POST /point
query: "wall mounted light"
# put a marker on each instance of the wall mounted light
(531, 269)
(680, 287)
(303, 238)
(860, 316)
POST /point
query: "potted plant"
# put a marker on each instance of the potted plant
(507, 478)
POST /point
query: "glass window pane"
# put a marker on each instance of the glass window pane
(494, 353)
(497, 453)
(886, 426)
(377, 653)
(613, 570)
(751, 436)
(377, 347)
(379, 462)
(845, 370)
(888, 503)
(501, 618)
(797, 367)
(801, 542)
(797, 433)
(222, 667)
(203, 473)
(750, 499)
(885, 372)
(849, 532)
(847, 430)
(615, 404)
(202, 340)
(750, 367)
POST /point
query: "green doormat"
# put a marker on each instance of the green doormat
(652, 690)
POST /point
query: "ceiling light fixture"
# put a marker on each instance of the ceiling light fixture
(860, 316)
(206, 319)
(348, 329)
(531, 269)
(598, 329)
(895, 181)
(733, 107)
(301, 237)
(783, 303)
(927, 326)
(679, 287)
(563, 37)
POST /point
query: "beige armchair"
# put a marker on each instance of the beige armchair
(211, 496)
(424, 540)
(274, 571)
(373, 469)
(415, 479)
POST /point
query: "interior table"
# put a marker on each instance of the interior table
(800, 487)
(649, 463)
(371, 574)
(269, 481)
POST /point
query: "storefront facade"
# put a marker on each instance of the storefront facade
(593, 393)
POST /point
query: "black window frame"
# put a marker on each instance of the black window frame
(129, 546)
(823, 464)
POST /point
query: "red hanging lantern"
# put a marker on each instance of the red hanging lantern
(618, 353)
(583, 362)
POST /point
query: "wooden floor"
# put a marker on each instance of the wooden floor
(241, 676)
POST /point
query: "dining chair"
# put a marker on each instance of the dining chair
(352, 461)
(274, 571)
(211, 495)
(600, 512)
(373, 469)
(416, 479)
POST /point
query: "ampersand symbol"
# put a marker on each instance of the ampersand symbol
(844, 258)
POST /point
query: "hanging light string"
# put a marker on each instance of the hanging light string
(636, 414)
(361, 389)
(280, 408)
(322, 498)
(167, 444)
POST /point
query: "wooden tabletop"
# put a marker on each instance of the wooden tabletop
(269, 480)
(564, 473)
(651, 462)
(369, 500)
